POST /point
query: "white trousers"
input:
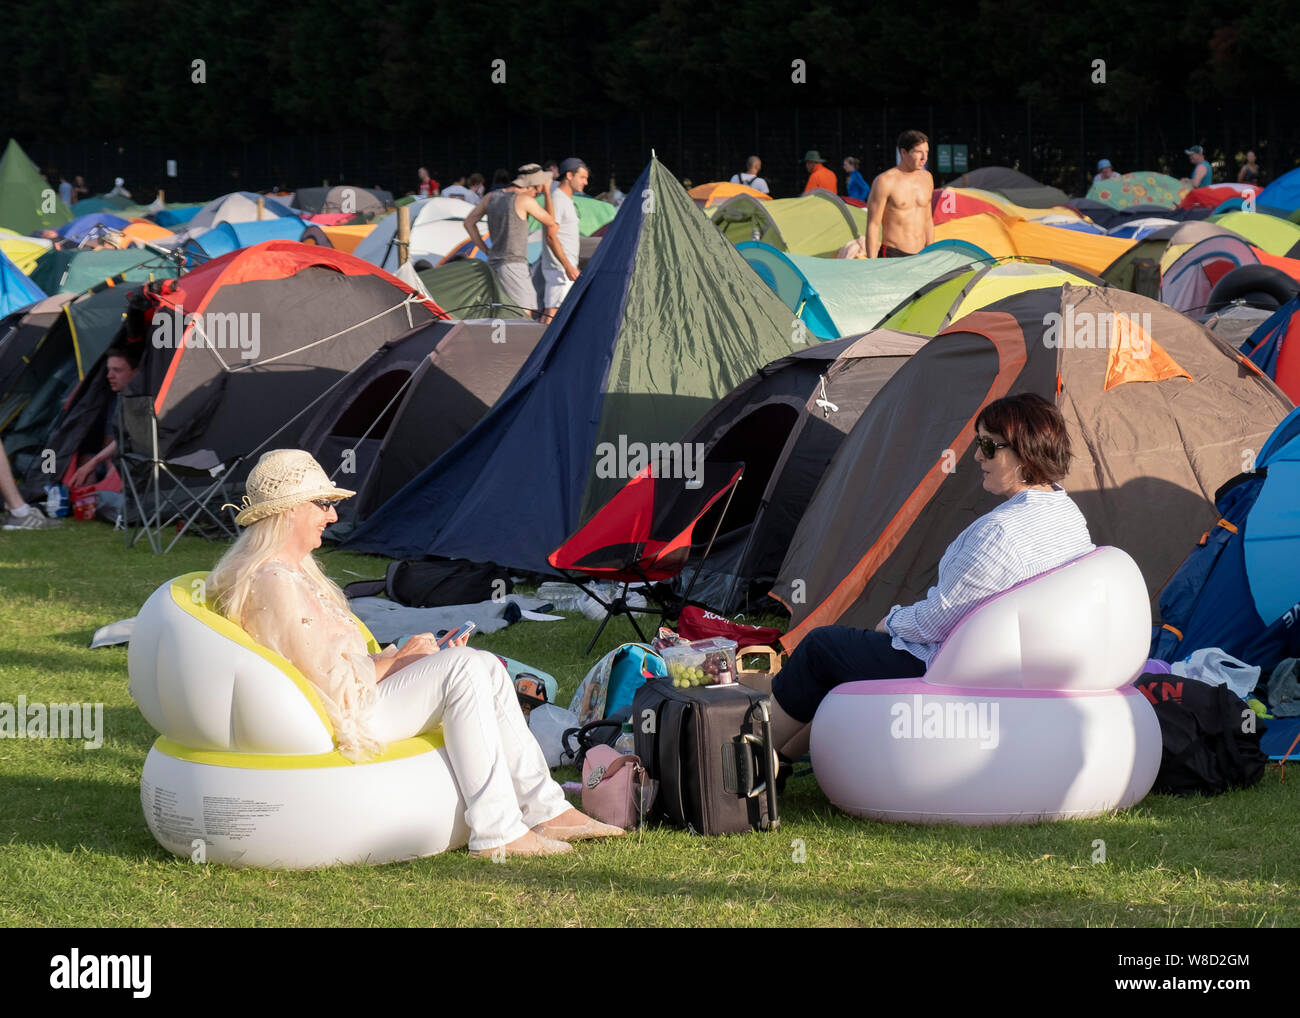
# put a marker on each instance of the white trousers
(498, 765)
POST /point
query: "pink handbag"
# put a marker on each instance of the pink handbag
(613, 786)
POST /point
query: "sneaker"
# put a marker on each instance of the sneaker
(33, 519)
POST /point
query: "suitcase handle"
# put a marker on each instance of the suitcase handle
(761, 787)
(671, 767)
(765, 719)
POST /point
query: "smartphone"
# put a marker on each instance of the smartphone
(468, 627)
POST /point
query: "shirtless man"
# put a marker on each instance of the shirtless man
(898, 206)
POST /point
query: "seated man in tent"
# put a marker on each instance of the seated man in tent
(123, 361)
(899, 221)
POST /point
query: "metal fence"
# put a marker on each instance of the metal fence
(1059, 145)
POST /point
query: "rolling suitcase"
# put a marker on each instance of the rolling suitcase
(710, 748)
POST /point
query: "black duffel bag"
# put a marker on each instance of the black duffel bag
(436, 583)
(1210, 736)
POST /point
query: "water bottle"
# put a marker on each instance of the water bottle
(56, 501)
(626, 741)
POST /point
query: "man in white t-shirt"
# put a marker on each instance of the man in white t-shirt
(557, 280)
(750, 178)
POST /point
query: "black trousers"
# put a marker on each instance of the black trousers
(831, 655)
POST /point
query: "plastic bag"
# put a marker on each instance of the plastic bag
(568, 597)
(1219, 668)
(548, 723)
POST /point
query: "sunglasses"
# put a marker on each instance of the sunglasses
(323, 504)
(989, 447)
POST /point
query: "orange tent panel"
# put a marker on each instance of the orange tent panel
(718, 191)
(143, 229)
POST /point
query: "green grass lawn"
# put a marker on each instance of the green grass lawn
(75, 851)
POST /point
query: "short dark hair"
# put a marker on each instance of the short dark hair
(129, 352)
(1035, 430)
(473, 180)
(852, 161)
(908, 140)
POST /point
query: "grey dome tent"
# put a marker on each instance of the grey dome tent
(411, 401)
(785, 422)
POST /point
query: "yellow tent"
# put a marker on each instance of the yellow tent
(1004, 237)
(1268, 233)
(22, 251)
(968, 290)
(346, 238)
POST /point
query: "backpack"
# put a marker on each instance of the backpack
(613, 680)
(1210, 737)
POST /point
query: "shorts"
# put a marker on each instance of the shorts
(516, 284)
(555, 286)
(892, 252)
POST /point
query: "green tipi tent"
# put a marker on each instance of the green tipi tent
(27, 201)
(665, 320)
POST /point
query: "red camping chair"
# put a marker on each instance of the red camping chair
(644, 535)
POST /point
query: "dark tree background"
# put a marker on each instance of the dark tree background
(327, 90)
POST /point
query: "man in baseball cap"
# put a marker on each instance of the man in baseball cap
(1202, 174)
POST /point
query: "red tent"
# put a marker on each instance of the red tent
(1214, 195)
(946, 204)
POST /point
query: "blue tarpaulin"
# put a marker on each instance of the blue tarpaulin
(16, 290)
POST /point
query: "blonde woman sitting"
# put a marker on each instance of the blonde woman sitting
(269, 583)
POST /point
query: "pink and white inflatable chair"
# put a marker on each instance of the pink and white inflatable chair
(1027, 713)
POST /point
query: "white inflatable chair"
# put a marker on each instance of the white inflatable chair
(1027, 713)
(245, 770)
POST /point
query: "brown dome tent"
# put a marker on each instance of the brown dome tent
(1160, 414)
(241, 348)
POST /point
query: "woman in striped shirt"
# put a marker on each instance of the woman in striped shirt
(1023, 450)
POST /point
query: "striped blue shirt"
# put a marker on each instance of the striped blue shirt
(1029, 533)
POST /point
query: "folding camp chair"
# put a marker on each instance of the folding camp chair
(162, 493)
(644, 535)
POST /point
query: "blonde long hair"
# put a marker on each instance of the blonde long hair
(231, 578)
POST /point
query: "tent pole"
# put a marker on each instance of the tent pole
(403, 233)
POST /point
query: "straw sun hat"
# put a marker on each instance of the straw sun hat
(282, 479)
